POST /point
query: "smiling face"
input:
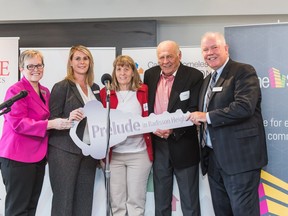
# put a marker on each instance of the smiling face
(169, 57)
(124, 74)
(35, 73)
(80, 63)
(214, 50)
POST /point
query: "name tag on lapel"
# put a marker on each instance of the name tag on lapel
(217, 89)
(184, 95)
(145, 107)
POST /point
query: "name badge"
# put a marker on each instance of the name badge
(217, 89)
(145, 107)
(184, 95)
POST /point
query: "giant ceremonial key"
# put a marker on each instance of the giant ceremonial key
(122, 125)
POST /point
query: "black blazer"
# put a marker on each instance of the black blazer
(236, 129)
(65, 98)
(183, 144)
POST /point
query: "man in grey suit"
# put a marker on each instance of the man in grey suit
(172, 86)
(232, 132)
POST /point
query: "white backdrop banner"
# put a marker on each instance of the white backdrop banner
(146, 58)
(55, 60)
(8, 76)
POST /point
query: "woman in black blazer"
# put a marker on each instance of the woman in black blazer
(71, 173)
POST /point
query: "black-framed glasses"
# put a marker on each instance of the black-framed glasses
(32, 67)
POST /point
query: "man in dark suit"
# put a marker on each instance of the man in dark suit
(172, 86)
(234, 147)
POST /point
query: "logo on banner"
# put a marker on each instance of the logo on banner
(4, 72)
(122, 125)
(274, 80)
(277, 80)
(139, 69)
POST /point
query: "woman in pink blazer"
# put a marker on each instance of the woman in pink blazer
(24, 141)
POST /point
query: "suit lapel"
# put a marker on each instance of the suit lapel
(222, 77)
(203, 92)
(153, 88)
(44, 94)
(224, 74)
(95, 90)
(35, 97)
(76, 92)
(178, 85)
(38, 100)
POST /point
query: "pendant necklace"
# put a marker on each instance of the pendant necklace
(123, 97)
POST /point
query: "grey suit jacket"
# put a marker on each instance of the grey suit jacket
(236, 129)
(65, 98)
(183, 144)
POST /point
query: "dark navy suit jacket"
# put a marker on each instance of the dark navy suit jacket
(236, 129)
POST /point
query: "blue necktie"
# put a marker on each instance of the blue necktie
(208, 96)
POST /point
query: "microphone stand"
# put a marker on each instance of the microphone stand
(107, 165)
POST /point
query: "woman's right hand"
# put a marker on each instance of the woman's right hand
(59, 124)
(76, 115)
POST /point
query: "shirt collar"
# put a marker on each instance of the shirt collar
(219, 70)
(174, 74)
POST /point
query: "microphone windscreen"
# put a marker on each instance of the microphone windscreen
(24, 93)
(105, 78)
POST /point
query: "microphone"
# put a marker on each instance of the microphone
(12, 100)
(106, 80)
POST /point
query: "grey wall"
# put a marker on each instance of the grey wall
(184, 21)
(13, 10)
(117, 34)
(187, 31)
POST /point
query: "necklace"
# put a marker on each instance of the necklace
(123, 95)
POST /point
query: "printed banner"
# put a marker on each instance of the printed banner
(265, 47)
(146, 58)
(8, 76)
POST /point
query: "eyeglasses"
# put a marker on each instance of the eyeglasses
(32, 67)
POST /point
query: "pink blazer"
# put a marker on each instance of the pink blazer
(24, 136)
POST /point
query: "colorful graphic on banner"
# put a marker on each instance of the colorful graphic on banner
(272, 199)
(265, 47)
(277, 80)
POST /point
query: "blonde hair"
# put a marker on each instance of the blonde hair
(28, 54)
(90, 73)
(124, 60)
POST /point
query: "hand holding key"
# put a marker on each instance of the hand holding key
(122, 125)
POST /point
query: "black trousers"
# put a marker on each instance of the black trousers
(187, 179)
(23, 183)
(233, 195)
